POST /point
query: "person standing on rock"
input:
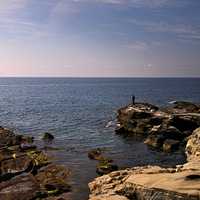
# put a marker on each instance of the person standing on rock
(133, 99)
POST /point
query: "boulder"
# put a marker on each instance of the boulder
(53, 179)
(193, 146)
(159, 134)
(185, 122)
(95, 154)
(170, 145)
(8, 138)
(186, 106)
(47, 136)
(23, 187)
(121, 130)
(14, 165)
(105, 167)
(155, 141)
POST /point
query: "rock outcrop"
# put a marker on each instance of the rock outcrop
(153, 182)
(27, 173)
(47, 136)
(105, 165)
(163, 128)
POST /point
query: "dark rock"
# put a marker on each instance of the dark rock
(193, 177)
(8, 138)
(155, 141)
(170, 145)
(120, 130)
(48, 136)
(105, 167)
(160, 134)
(167, 132)
(39, 159)
(51, 148)
(185, 123)
(155, 121)
(95, 154)
(141, 115)
(175, 123)
(28, 139)
(23, 187)
(14, 165)
(25, 172)
(187, 106)
(53, 179)
(26, 147)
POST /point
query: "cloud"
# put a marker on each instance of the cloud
(138, 3)
(137, 45)
(181, 30)
(15, 21)
(8, 7)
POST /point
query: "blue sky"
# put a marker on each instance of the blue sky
(134, 38)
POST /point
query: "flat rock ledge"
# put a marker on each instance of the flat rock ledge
(27, 173)
(154, 182)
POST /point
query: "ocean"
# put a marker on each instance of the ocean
(81, 114)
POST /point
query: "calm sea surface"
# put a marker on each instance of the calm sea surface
(77, 111)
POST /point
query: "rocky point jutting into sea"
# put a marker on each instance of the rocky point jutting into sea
(166, 129)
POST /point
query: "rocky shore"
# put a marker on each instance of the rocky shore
(167, 129)
(27, 173)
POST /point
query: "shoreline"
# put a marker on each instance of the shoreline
(152, 182)
(24, 165)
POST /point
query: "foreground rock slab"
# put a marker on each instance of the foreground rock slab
(147, 183)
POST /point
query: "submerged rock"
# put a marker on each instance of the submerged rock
(47, 136)
(95, 154)
(105, 167)
(53, 179)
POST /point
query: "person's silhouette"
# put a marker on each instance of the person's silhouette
(133, 99)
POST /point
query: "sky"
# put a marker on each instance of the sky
(100, 38)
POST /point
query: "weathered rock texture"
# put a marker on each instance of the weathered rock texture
(27, 173)
(153, 182)
(163, 128)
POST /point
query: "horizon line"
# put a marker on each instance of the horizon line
(99, 76)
